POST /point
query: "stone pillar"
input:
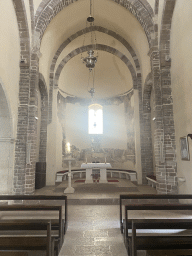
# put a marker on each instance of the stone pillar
(31, 142)
(167, 100)
(164, 133)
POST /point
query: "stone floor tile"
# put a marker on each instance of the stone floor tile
(92, 250)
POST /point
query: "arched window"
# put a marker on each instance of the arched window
(95, 118)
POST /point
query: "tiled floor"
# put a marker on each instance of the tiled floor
(93, 216)
(93, 230)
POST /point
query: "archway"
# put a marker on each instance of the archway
(6, 145)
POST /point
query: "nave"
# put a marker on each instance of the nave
(93, 216)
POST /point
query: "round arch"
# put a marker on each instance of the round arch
(100, 47)
(6, 144)
(141, 10)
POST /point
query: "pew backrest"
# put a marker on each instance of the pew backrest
(8, 208)
(168, 241)
(151, 197)
(10, 225)
(152, 207)
(38, 198)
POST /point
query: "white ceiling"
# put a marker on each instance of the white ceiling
(112, 77)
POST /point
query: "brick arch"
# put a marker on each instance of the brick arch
(100, 47)
(99, 29)
(139, 8)
(44, 118)
(20, 174)
(31, 6)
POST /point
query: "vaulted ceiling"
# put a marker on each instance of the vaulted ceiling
(117, 31)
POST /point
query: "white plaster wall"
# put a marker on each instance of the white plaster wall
(36, 4)
(181, 54)
(152, 3)
(9, 57)
(9, 87)
(54, 145)
(114, 130)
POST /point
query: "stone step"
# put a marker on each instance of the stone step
(94, 201)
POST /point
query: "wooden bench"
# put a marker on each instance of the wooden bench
(39, 199)
(155, 207)
(153, 240)
(26, 241)
(147, 198)
(58, 224)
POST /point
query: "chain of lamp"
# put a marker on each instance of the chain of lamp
(90, 60)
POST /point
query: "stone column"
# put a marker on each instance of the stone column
(164, 131)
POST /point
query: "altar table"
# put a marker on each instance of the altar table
(89, 171)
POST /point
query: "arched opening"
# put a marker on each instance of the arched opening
(95, 116)
(6, 146)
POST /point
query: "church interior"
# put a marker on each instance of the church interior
(97, 92)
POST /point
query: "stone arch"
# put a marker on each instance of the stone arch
(97, 47)
(21, 147)
(44, 119)
(32, 16)
(6, 144)
(74, 36)
(140, 9)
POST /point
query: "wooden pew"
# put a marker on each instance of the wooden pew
(136, 207)
(147, 198)
(36, 199)
(58, 223)
(156, 241)
(26, 241)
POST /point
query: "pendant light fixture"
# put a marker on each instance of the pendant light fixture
(90, 60)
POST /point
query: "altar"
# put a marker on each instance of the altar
(91, 167)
